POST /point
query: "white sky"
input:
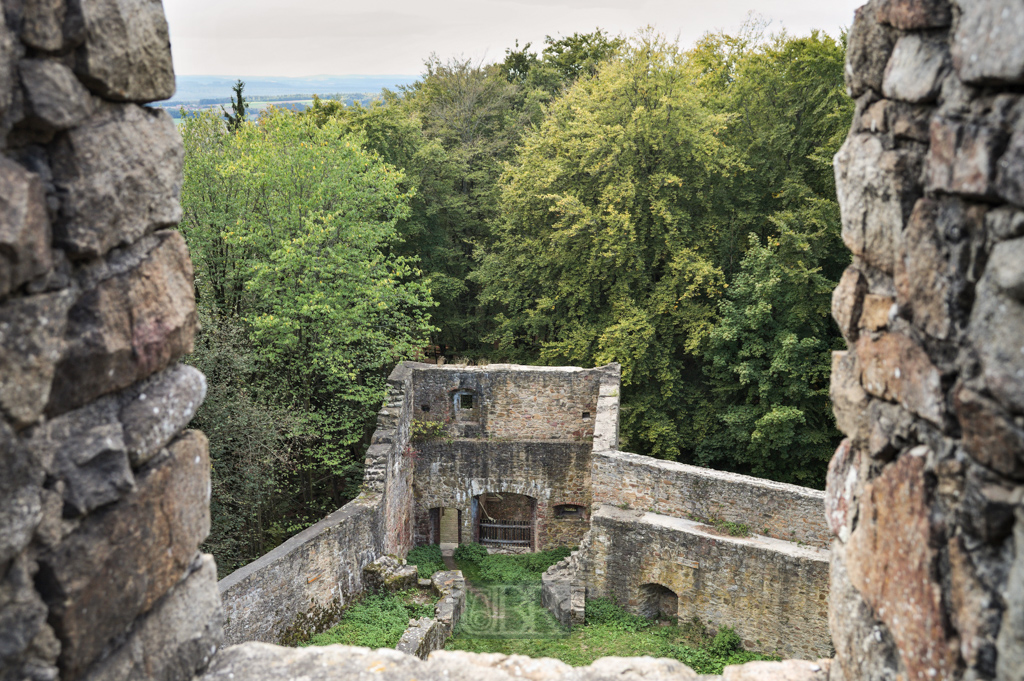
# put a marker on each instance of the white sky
(339, 37)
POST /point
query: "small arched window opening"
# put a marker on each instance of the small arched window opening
(658, 602)
(569, 512)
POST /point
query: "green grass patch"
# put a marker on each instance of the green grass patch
(525, 568)
(427, 559)
(377, 621)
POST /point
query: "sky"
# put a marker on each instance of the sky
(341, 37)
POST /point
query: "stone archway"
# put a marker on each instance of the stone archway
(657, 601)
(505, 520)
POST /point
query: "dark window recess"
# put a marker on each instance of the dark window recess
(424, 407)
(465, 401)
(586, 414)
(568, 511)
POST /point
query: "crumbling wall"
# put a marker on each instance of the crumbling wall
(428, 634)
(924, 496)
(771, 508)
(104, 500)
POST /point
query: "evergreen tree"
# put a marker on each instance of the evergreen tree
(239, 107)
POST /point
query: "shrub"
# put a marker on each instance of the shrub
(427, 559)
(520, 569)
(471, 553)
(605, 612)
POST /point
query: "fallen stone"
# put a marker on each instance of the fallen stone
(916, 69)
(118, 177)
(176, 640)
(24, 227)
(986, 46)
(126, 55)
(847, 301)
(895, 368)
(849, 401)
(128, 555)
(914, 15)
(31, 343)
(877, 190)
(990, 435)
(42, 24)
(128, 327)
(54, 97)
(869, 45)
(892, 563)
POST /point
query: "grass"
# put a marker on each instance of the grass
(427, 560)
(377, 621)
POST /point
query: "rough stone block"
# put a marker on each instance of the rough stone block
(849, 401)
(1004, 222)
(786, 670)
(126, 55)
(125, 557)
(986, 46)
(1005, 267)
(1010, 644)
(847, 302)
(914, 15)
(892, 563)
(24, 227)
(174, 641)
(868, 48)
(28, 648)
(20, 505)
(118, 177)
(990, 435)
(1009, 182)
(891, 429)
(995, 331)
(387, 574)
(876, 189)
(876, 311)
(42, 24)
(916, 69)
(156, 409)
(54, 97)
(962, 157)
(128, 326)
(842, 489)
(8, 66)
(895, 368)
(31, 343)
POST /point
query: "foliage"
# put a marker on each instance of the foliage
(239, 108)
(422, 431)
(427, 560)
(292, 232)
(470, 553)
(605, 612)
(517, 569)
(377, 621)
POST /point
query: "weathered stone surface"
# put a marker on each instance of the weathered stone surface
(125, 557)
(127, 51)
(897, 369)
(912, 15)
(128, 326)
(1009, 183)
(1010, 644)
(842, 489)
(256, 661)
(990, 435)
(986, 46)
(156, 409)
(53, 95)
(868, 48)
(1004, 223)
(387, 574)
(996, 331)
(28, 648)
(876, 189)
(931, 269)
(974, 611)
(174, 641)
(787, 670)
(848, 300)
(20, 504)
(42, 23)
(118, 177)
(24, 227)
(1006, 265)
(962, 157)
(849, 400)
(31, 342)
(892, 564)
(890, 429)
(876, 312)
(8, 68)
(916, 69)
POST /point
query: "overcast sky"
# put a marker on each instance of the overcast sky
(340, 37)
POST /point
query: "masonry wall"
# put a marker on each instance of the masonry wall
(924, 498)
(104, 499)
(773, 509)
(773, 593)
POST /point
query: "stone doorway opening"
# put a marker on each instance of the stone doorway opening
(505, 521)
(658, 601)
(446, 527)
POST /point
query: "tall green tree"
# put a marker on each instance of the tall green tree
(239, 107)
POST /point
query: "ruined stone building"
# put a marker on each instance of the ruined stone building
(104, 497)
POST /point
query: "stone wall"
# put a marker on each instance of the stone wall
(924, 497)
(773, 509)
(302, 586)
(428, 634)
(104, 500)
(773, 593)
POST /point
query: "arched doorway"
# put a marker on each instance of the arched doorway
(505, 520)
(658, 601)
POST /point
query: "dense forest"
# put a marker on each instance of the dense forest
(599, 199)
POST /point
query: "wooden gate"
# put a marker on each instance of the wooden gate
(507, 532)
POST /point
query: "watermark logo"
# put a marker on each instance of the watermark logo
(508, 611)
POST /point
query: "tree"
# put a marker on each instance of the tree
(239, 107)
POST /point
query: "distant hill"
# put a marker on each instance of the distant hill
(195, 88)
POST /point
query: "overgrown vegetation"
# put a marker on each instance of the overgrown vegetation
(427, 560)
(377, 621)
(602, 199)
